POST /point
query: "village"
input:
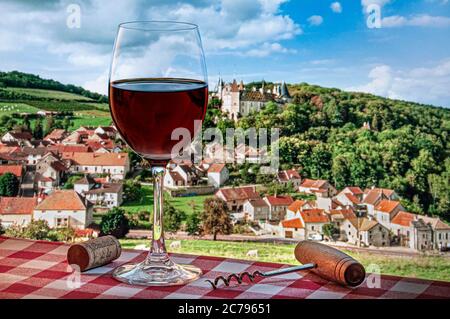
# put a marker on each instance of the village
(372, 217)
(66, 178)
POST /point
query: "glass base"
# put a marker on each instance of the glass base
(156, 273)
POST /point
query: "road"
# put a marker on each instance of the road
(385, 251)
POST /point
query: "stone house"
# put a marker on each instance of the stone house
(217, 174)
(313, 220)
(256, 209)
(278, 205)
(100, 192)
(293, 228)
(293, 210)
(235, 197)
(365, 231)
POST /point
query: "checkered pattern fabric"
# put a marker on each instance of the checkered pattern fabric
(37, 269)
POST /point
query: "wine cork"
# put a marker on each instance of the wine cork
(94, 253)
(332, 264)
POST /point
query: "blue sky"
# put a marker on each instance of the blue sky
(317, 41)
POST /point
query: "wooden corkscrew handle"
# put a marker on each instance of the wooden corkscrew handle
(331, 263)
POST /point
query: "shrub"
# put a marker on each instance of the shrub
(9, 185)
(144, 216)
(115, 223)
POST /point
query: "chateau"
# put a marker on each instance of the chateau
(237, 101)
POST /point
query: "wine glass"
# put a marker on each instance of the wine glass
(158, 84)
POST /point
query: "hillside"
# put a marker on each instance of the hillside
(347, 138)
(23, 95)
(362, 140)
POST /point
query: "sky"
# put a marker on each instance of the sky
(393, 48)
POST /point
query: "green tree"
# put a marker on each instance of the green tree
(9, 185)
(193, 224)
(132, 190)
(215, 217)
(115, 223)
(330, 231)
(36, 229)
(49, 124)
(172, 218)
(38, 131)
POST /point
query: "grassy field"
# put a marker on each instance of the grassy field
(145, 202)
(92, 120)
(50, 94)
(434, 268)
(7, 108)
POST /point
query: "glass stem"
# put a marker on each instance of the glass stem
(158, 247)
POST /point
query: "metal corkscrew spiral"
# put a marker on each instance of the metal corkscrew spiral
(251, 276)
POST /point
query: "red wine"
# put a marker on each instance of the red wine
(146, 111)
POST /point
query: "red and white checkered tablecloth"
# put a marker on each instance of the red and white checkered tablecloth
(38, 269)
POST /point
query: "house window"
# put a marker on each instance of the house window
(312, 227)
(439, 236)
(62, 222)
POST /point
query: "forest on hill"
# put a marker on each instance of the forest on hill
(348, 138)
(25, 80)
(358, 139)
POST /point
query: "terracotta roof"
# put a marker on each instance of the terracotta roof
(14, 169)
(97, 159)
(17, 205)
(56, 134)
(352, 198)
(61, 148)
(364, 223)
(345, 213)
(21, 135)
(62, 200)
(239, 193)
(403, 219)
(314, 216)
(216, 168)
(292, 223)
(288, 175)
(35, 150)
(435, 222)
(387, 206)
(58, 166)
(106, 188)
(280, 200)
(85, 180)
(355, 190)
(297, 205)
(312, 183)
(258, 202)
(376, 194)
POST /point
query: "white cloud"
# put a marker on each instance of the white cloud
(315, 20)
(245, 27)
(422, 84)
(423, 20)
(336, 7)
(99, 84)
(269, 48)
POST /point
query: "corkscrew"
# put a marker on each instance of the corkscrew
(323, 260)
(251, 276)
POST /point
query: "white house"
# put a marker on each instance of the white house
(100, 193)
(321, 188)
(64, 208)
(386, 210)
(313, 220)
(372, 197)
(290, 176)
(16, 210)
(217, 174)
(293, 210)
(117, 165)
(293, 228)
